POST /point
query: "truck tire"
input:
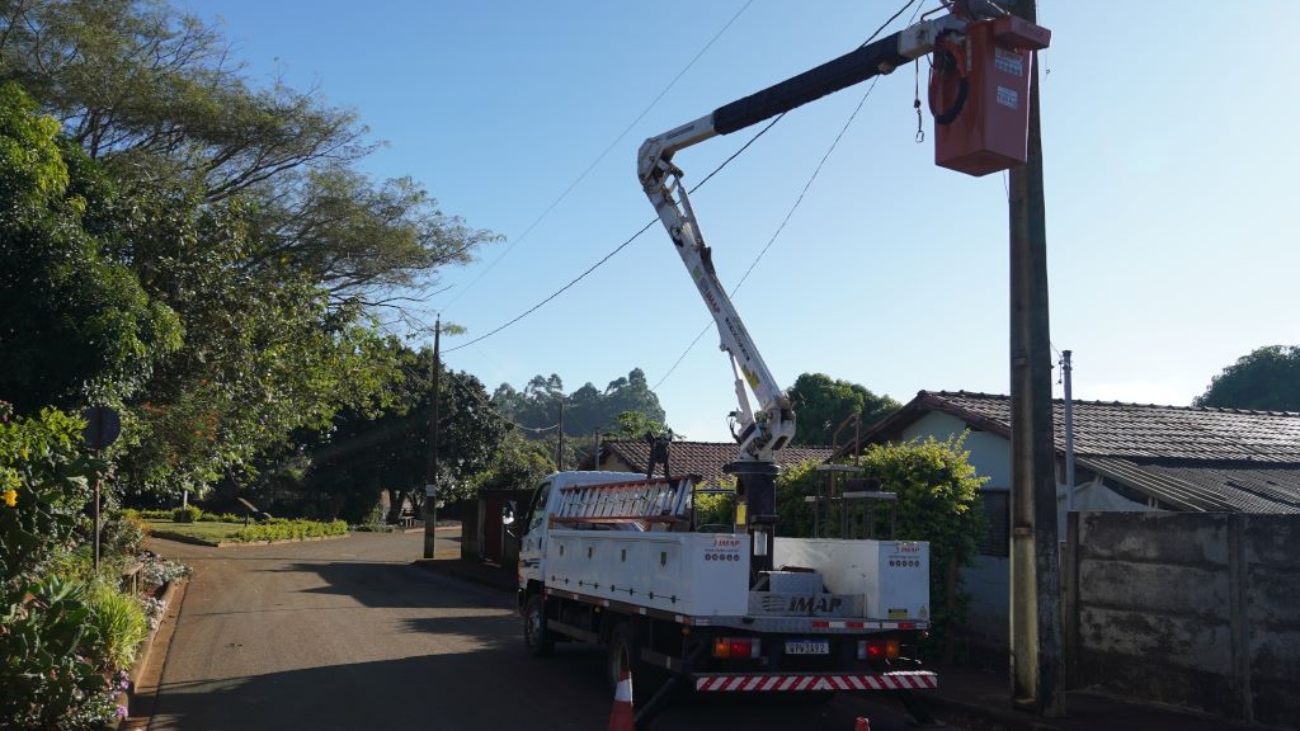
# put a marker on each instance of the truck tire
(539, 640)
(621, 655)
(623, 652)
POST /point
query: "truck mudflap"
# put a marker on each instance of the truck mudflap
(800, 682)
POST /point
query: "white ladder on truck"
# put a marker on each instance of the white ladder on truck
(656, 500)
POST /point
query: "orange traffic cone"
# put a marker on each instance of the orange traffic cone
(622, 718)
(862, 725)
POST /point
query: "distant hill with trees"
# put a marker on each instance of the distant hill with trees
(1266, 379)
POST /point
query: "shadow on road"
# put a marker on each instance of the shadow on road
(393, 585)
(490, 689)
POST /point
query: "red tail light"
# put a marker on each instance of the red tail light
(737, 647)
(878, 649)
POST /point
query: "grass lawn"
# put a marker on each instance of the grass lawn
(205, 532)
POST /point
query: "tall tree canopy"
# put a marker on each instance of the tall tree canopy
(202, 253)
(822, 403)
(73, 321)
(586, 410)
(1268, 379)
(153, 93)
(387, 448)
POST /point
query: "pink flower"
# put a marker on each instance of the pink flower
(121, 711)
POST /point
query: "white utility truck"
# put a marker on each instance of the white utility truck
(617, 558)
(612, 557)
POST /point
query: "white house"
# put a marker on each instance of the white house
(1128, 457)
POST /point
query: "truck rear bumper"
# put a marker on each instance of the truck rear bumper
(802, 682)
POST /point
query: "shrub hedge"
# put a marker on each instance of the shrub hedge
(280, 529)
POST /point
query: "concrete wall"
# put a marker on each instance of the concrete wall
(1196, 610)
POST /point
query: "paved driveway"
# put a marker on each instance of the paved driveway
(347, 635)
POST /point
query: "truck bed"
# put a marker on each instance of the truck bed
(703, 579)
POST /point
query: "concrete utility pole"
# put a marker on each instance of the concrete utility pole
(559, 447)
(431, 472)
(1067, 379)
(1037, 669)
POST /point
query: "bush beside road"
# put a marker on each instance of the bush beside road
(221, 533)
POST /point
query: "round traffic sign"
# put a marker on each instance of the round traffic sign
(102, 427)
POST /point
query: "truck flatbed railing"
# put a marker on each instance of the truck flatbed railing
(654, 500)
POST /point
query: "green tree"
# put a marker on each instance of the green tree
(1268, 379)
(635, 425)
(74, 323)
(388, 448)
(239, 212)
(586, 410)
(45, 485)
(938, 502)
(518, 463)
(152, 93)
(632, 394)
(821, 404)
(264, 355)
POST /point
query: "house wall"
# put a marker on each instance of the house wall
(988, 582)
(1192, 609)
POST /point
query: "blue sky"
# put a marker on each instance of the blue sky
(1168, 149)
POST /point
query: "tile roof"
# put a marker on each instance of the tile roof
(1148, 431)
(1195, 458)
(703, 458)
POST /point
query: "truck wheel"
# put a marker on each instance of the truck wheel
(539, 640)
(622, 651)
(624, 654)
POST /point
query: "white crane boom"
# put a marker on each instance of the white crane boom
(770, 425)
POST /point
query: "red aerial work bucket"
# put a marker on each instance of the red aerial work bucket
(979, 95)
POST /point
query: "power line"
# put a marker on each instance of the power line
(778, 231)
(611, 254)
(706, 179)
(582, 176)
(802, 193)
(894, 17)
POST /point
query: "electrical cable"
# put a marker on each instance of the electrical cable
(582, 176)
(611, 254)
(892, 18)
(779, 228)
(802, 193)
(706, 179)
(799, 200)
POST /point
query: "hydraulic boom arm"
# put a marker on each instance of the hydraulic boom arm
(770, 426)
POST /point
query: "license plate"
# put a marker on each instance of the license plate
(807, 647)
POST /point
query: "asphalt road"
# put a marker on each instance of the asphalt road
(347, 635)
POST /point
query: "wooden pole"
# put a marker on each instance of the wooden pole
(431, 473)
(1037, 662)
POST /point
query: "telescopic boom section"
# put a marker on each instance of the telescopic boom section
(770, 426)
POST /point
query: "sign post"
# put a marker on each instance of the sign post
(102, 429)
